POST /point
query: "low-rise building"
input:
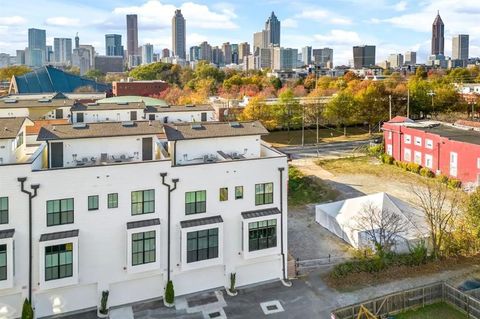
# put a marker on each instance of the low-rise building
(138, 88)
(125, 207)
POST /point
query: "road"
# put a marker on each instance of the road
(324, 150)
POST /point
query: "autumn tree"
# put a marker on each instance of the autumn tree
(341, 109)
(257, 109)
(14, 70)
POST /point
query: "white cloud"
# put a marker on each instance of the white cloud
(314, 14)
(400, 6)
(340, 21)
(323, 15)
(12, 21)
(338, 37)
(289, 23)
(63, 22)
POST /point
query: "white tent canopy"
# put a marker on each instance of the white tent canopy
(341, 218)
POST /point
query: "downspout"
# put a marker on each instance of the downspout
(170, 190)
(285, 280)
(31, 196)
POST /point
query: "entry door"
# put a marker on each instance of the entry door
(80, 117)
(204, 117)
(147, 148)
(133, 115)
(59, 114)
(453, 164)
(56, 154)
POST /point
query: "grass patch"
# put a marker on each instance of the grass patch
(439, 310)
(285, 138)
(307, 189)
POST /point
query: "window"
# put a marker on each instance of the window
(478, 166)
(223, 194)
(112, 200)
(202, 245)
(407, 155)
(389, 149)
(238, 192)
(418, 141)
(59, 212)
(417, 158)
(19, 139)
(195, 202)
(93, 202)
(58, 261)
(263, 194)
(428, 143)
(262, 235)
(428, 161)
(408, 139)
(143, 202)
(3, 262)
(389, 135)
(3, 210)
(143, 248)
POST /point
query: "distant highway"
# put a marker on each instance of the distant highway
(338, 149)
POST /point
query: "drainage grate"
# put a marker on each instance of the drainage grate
(271, 307)
(214, 314)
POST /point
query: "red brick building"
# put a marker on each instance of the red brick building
(451, 150)
(139, 88)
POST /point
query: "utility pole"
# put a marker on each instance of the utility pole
(408, 103)
(303, 125)
(390, 105)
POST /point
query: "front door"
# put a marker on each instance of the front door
(453, 164)
(204, 116)
(133, 115)
(56, 154)
(79, 117)
(59, 114)
(147, 148)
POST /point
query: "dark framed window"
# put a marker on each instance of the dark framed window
(262, 235)
(143, 202)
(60, 211)
(195, 202)
(3, 210)
(143, 248)
(58, 261)
(223, 194)
(112, 200)
(238, 192)
(93, 202)
(3, 262)
(202, 245)
(263, 193)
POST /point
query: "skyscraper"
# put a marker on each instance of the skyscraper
(194, 53)
(260, 40)
(272, 26)
(227, 53)
(243, 51)
(77, 41)
(395, 60)
(438, 38)
(205, 51)
(132, 35)
(62, 50)
(36, 54)
(165, 53)
(323, 57)
(410, 58)
(284, 58)
(363, 56)
(178, 35)
(113, 45)
(460, 45)
(307, 55)
(147, 53)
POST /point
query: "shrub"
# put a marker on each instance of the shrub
(103, 303)
(418, 254)
(425, 172)
(414, 168)
(27, 311)
(233, 279)
(169, 293)
(454, 183)
(376, 150)
(387, 159)
(443, 179)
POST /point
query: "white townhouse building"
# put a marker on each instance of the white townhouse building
(125, 206)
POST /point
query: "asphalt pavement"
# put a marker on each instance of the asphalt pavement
(338, 149)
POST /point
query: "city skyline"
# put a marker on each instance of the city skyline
(303, 24)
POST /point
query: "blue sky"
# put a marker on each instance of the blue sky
(392, 25)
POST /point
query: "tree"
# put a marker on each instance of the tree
(169, 293)
(440, 207)
(95, 74)
(372, 104)
(276, 82)
(27, 310)
(381, 226)
(340, 110)
(257, 109)
(288, 110)
(15, 70)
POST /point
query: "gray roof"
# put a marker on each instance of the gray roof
(107, 106)
(59, 235)
(452, 133)
(260, 213)
(10, 126)
(189, 131)
(43, 102)
(179, 108)
(7, 233)
(143, 223)
(100, 129)
(201, 221)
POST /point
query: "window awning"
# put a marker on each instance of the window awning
(59, 235)
(143, 223)
(7, 233)
(201, 221)
(260, 213)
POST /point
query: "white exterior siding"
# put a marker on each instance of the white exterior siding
(107, 115)
(171, 117)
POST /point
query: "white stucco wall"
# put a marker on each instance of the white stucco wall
(193, 116)
(107, 115)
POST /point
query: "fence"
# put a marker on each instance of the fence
(414, 298)
(304, 266)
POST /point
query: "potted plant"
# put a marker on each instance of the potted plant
(27, 310)
(232, 291)
(102, 311)
(169, 299)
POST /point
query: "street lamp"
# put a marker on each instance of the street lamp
(432, 94)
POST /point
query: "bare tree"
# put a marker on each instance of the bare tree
(381, 226)
(440, 206)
